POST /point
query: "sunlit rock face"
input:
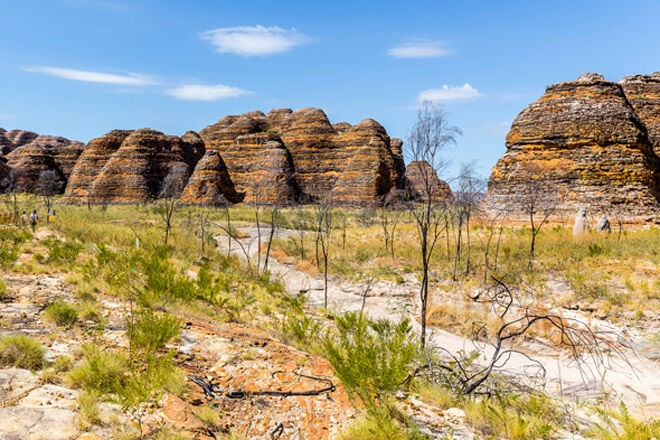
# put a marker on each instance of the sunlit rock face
(30, 155)
(127, 166)
(288, 156)
(592, 141)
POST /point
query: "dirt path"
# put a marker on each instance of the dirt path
(640, 385)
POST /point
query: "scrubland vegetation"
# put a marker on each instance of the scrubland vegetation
(119, 252)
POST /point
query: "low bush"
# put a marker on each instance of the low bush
(21, 351)
(61, 314)
(151, 331)
(62, 253)
(4, 295)
(619, 424)
(101, 370)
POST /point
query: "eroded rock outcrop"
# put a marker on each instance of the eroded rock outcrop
(128, 166)
(357, 165)
(422, 179)
(9, 140)
(210, 183)
(643, 94)
(592, 145)
(31, 160)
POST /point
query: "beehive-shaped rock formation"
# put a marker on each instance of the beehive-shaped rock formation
(9, 140)
(300, 154)
(210, 183)
(42, 153)
(127, 166)
(643, 94)
(422, 179)
(593, 148)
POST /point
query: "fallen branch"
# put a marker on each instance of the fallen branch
(213, 390)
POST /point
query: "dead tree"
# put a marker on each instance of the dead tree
(429, 136)
(389, 220)
(168, 197)
(300, 223)
(323, 217)
(49, 184)
(9, 186)
(274, 221)
(538, 200)
(495, 222)
(466, 203)
(518, 314)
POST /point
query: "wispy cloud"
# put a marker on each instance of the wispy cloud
(254, 40)
(198, 92)
(127, 79)
(419, 49)
(449, 93)
(7, 116)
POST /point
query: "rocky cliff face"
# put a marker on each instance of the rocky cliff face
(30, 155)
(588, 141)
(284, 157)
(210, 183)
(128, 166)
(422, 179)
(307, 157)
(12, 139)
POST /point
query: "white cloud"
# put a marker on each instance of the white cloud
(254, 40)
(449, 93)
(422, 49)
(128, 79)
(6, 116)
(198, 92)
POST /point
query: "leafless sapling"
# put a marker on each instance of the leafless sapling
(324, 217)
(170, 191)
(538, 201)
(466, 205)
(429, 136)
(389, 221)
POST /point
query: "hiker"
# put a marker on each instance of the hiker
(51, 216)
(24, 219)
(33, 220)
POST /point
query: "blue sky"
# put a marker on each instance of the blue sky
(79, 68)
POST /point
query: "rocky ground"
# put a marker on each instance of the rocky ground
(637, 383)
(231, 356)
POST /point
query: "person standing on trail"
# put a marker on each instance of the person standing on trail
(33, 220)
(24, 219)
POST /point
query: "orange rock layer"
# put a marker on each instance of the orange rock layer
(593, 141)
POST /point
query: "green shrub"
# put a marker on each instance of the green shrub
(4, 295)
(151, 331)
(88, 408)
(621, 425)
(380, 428)
(513, 417)
(21, 351)
(8, 255)
(61, 314)
(101, 370)
(62, 253)
(371, 358)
